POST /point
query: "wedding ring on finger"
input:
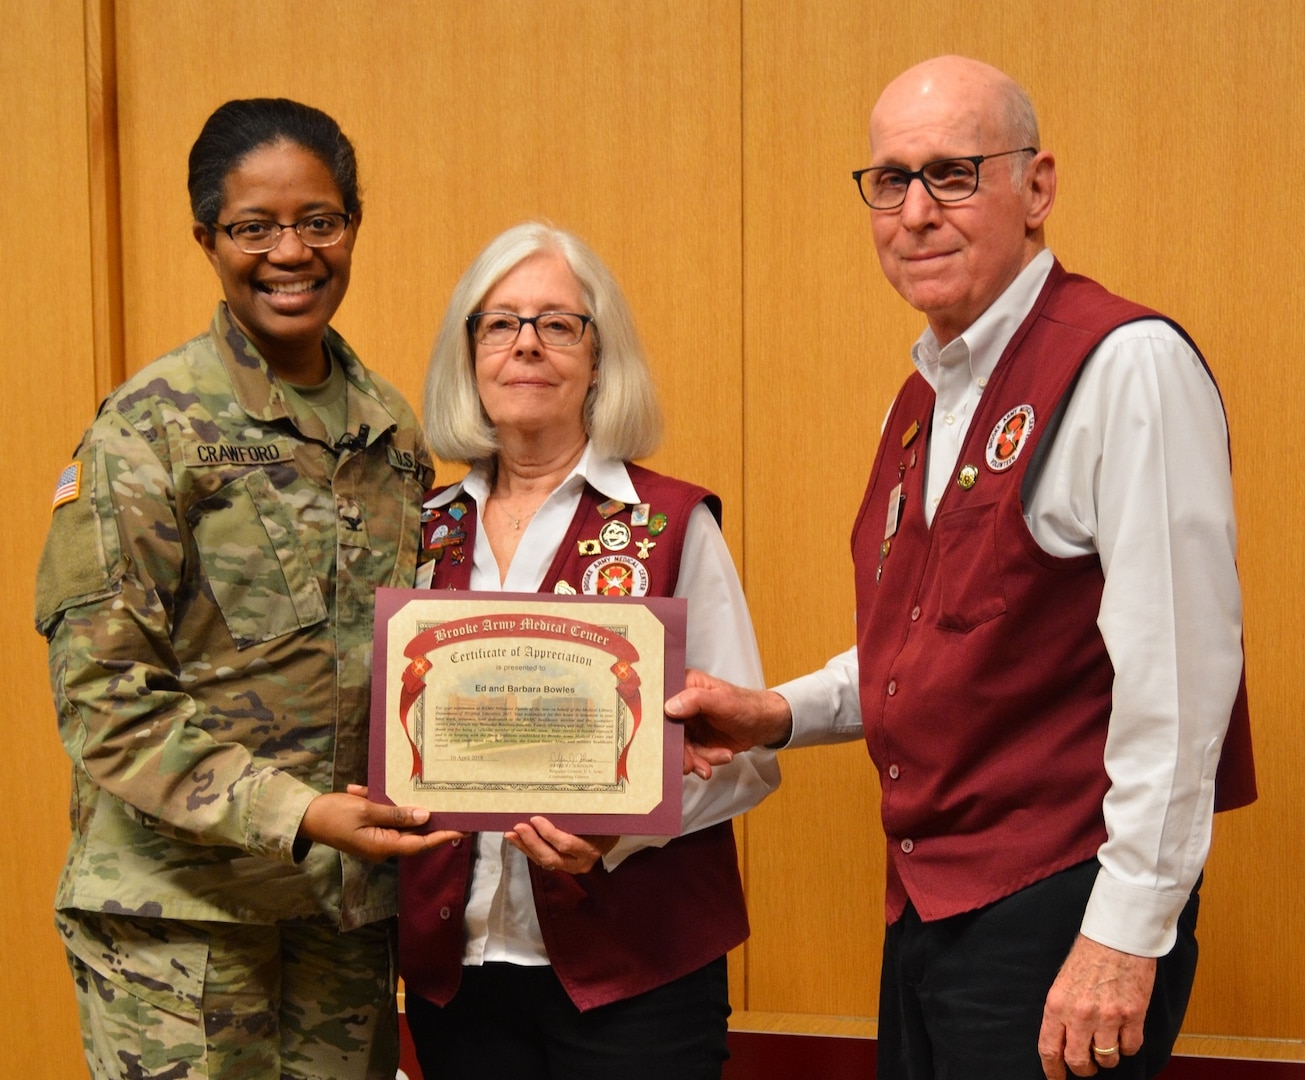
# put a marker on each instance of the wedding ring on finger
(1104, 1051)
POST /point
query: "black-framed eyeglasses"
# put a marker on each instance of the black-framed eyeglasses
(254, 237)
(552, 327)
(947, 180)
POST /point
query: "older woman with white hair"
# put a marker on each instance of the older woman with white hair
(535, 953)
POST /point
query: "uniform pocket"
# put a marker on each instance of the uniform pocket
(970, 586)
(140, 989)
(258, 572)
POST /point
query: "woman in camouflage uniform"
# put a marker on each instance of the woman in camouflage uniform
(206, 590)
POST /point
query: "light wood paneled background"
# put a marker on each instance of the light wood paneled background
(703, 147)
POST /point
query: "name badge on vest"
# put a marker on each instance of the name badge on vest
(896, 500)
(425, 574)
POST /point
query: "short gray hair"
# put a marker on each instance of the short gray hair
(1021, 123)
(621, 416)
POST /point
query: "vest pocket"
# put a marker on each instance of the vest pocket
(969, 571)
(258, 573)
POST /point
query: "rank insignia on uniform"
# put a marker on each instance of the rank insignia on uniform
(1008, 437)
(645, 546)
(966, 478)
(565, 588)
(610, 507)
(588, 547)
(639, 514)
(656, 524)
(68, 486)
(615, 535)
(351, 516)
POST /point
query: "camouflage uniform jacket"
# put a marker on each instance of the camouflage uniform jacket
(207, 598)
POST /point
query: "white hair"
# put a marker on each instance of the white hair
(621, 416)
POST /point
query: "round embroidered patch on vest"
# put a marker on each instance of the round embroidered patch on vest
(616, 575)
(1008, 437)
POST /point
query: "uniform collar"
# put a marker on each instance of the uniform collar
(259, 391)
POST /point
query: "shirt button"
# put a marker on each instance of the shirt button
(892, 687)
(915, 613)
(908, 846)
(982, 381)
(949, 418)
(445, 912)
(894, 772)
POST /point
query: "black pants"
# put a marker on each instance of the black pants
(509, 1022)
(962, 998)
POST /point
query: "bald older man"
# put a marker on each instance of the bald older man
(1049, 622)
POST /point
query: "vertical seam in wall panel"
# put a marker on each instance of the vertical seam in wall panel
(104, 195)
(743, 426)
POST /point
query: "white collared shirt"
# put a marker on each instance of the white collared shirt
(501, 923)
(1138, 472)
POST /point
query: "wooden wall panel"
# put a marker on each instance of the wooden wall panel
(1221, 257)
(49, 377)
(1174, 127)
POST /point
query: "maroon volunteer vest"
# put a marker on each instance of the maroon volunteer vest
(985, 683)
(664, 912)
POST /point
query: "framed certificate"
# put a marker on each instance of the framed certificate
(489, 708)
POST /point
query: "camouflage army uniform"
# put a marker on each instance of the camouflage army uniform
(206, 590)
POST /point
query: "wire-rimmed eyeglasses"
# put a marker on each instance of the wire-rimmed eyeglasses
(255, 237)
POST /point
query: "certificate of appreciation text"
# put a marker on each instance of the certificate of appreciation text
(489, 708)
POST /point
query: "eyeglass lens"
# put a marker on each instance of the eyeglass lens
(947, 181)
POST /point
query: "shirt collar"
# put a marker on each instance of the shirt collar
(608, 476)
(982, 344)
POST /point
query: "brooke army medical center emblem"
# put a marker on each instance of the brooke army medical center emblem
(615, 575)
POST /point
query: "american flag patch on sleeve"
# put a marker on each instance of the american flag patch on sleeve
(69, 485)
